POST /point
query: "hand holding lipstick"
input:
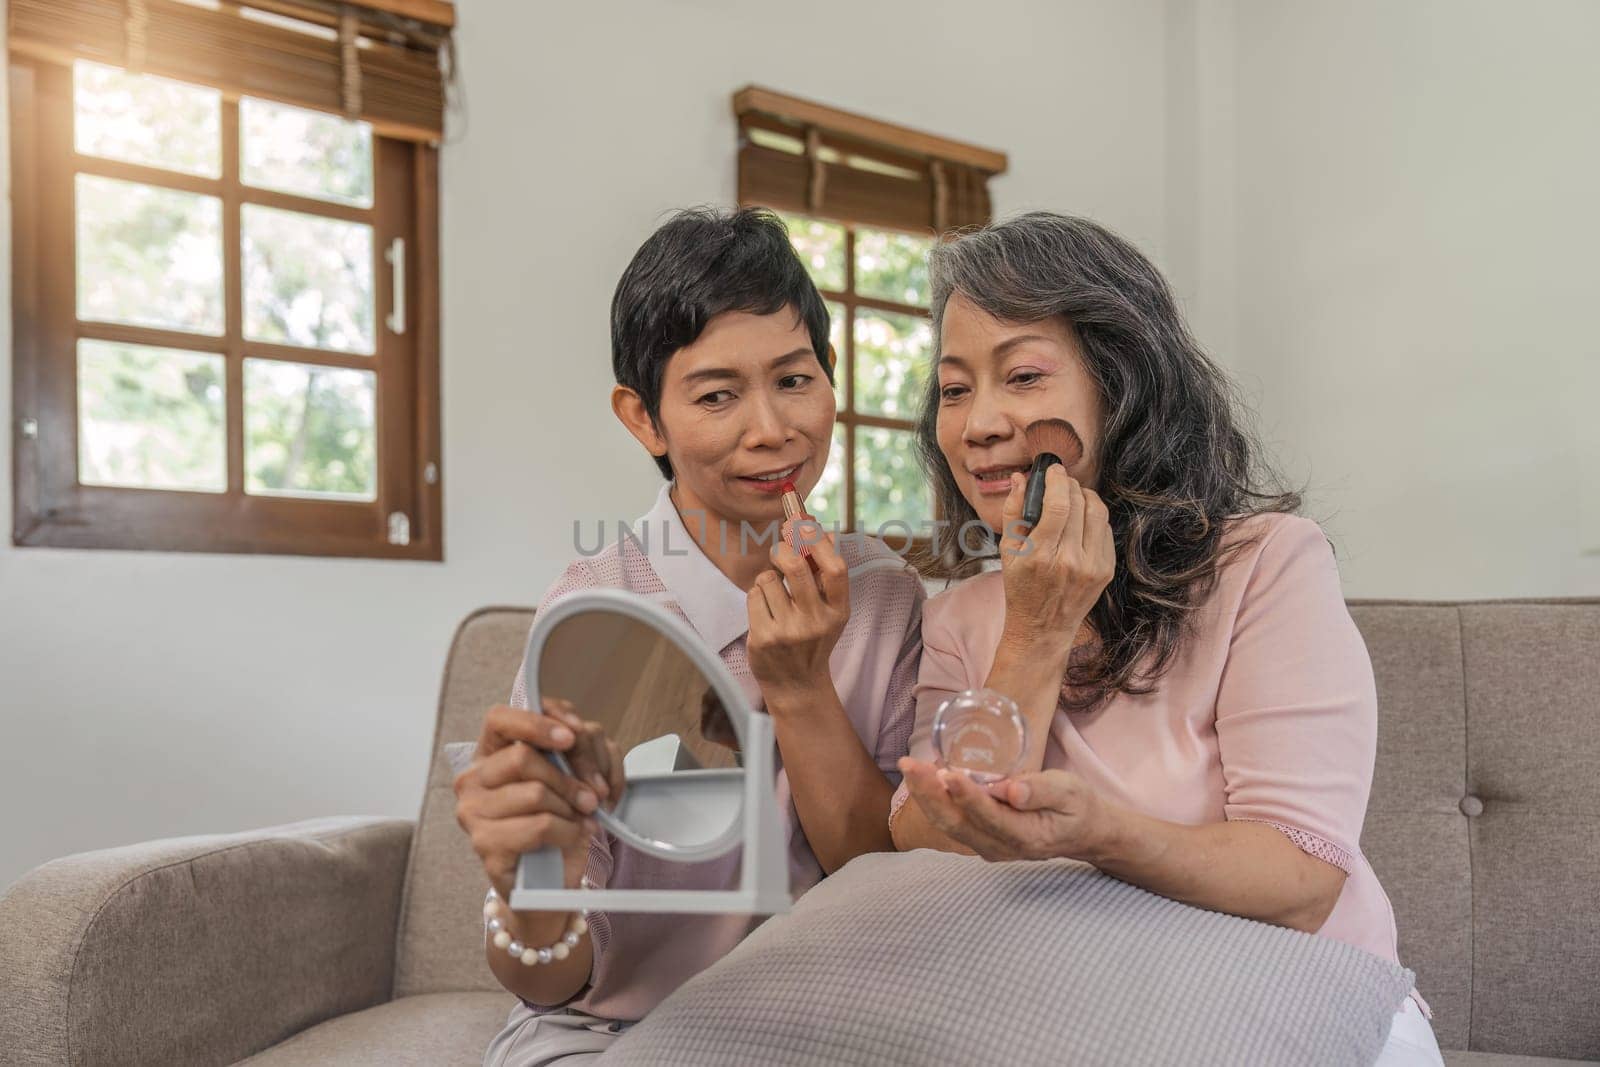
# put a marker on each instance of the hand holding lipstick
(797, 612)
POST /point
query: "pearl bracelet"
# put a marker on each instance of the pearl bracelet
(559, 950)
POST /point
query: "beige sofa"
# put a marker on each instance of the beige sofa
(358, 940)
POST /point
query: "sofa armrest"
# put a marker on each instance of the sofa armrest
(199, 949)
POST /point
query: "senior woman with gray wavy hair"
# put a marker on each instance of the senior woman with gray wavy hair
(1201, 709)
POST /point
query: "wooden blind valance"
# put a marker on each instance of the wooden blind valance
(383, 61)
(795, 155)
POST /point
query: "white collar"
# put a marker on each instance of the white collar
(716, 607)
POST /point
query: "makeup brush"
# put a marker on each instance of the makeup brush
(1051, 441)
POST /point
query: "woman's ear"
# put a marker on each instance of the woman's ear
(630, 411)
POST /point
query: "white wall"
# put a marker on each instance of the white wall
(146, 694)
(1409, 284)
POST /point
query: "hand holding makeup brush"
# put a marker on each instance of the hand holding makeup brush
(1051, 441)
(1054, 570)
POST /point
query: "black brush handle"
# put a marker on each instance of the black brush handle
(1033, 499)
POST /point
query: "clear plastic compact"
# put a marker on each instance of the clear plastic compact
(981, 732)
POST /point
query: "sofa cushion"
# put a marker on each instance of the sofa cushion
(441, 934)
(1484, 821)
(432, 1030)
(1533, 760)
(198, 949)
(1415, 835)
(929, 957)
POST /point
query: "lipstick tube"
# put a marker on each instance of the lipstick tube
(794, 513)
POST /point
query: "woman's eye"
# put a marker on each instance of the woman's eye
(793, 381)
(951, 393)
(712, 399)
(1027, 377)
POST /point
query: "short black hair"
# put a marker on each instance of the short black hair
(699, 264)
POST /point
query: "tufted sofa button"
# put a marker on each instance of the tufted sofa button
(1471, 806)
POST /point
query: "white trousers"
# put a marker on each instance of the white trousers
(1411, 1042)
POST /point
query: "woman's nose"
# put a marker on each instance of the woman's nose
(766, 428)
(986, 420)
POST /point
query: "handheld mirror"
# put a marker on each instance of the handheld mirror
(697, 760)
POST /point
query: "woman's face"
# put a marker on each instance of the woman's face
(996, 378)
(743, 409)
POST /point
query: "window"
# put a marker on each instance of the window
(876, 285)
(226, 332)
(864, 201)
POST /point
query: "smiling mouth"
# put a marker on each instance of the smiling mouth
(996, 481)
(999, 474)
(771, 481)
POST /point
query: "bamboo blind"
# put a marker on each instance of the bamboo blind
(361, 61)
(798, 156)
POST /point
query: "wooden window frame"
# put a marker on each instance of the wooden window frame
(848, 416)
(51, 508)
(861, 173)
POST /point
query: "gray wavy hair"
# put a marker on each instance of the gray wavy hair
(1177, 465)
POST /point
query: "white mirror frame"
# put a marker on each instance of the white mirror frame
(764, 876)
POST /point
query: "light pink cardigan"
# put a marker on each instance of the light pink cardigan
(1268, 714)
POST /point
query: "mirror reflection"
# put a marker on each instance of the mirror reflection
(642, 694)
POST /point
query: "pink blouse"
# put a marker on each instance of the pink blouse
(1268, 714)
(640, 958)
